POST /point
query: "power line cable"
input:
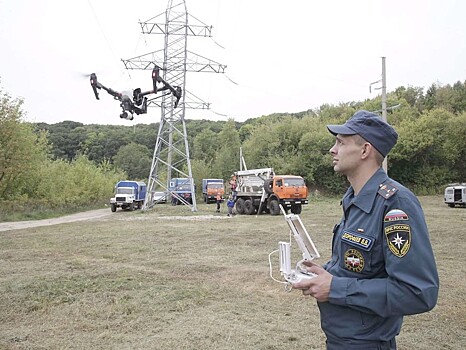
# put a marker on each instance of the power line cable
(107, 41)
(101, 29)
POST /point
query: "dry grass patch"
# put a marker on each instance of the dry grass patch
(173, 279)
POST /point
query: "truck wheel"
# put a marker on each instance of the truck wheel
(268, 186)
(113, 207)
(451, 205)
(249, 207)
(274, 208)
(205, 199)
(240, 206)
(296, 209)
(131, 206)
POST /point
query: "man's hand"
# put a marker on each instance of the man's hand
(319, 286)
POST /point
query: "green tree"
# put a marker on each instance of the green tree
(135, 160)
(201, 170)
(205, 146)
(227, 159)
(21, 150)
(428, 150)
(75, 184)
(104, 142)
(65, 137)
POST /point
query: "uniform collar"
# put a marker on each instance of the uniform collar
(365, 199)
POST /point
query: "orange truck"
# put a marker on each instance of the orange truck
(260, 190)
(210, 188)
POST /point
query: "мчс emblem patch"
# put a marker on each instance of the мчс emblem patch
(398, 239)
(354, 261)
(395, 215)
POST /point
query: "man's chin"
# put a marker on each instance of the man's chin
(338, 170)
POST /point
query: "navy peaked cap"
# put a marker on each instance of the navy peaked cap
(371, 127)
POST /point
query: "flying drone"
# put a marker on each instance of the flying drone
(138, 103)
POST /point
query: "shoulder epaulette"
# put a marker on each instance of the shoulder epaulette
(387, 190)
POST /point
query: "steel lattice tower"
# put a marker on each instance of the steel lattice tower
(171, 154)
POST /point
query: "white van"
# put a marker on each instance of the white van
(455, 194)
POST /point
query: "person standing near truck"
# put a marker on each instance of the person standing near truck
(382, 266)
(230, 205)
(233, 186)
(218, 199)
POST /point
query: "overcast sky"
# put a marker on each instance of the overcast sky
(281, 56)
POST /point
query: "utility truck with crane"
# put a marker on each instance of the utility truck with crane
(260, 190)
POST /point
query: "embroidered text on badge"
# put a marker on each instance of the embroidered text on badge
(357, 240)
(395, 215)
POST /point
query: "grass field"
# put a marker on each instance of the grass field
(173, 279)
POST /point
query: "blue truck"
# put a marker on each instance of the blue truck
(128, 195)
(180, 186)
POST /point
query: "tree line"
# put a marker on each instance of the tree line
(69, 163)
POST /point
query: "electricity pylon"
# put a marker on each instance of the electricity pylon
(171, 154)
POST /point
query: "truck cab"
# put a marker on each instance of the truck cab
(289, 190)
(210, 189)
(289, 187)
(128, 195)
(180, 189)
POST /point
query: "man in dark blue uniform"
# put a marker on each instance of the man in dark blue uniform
(382, 265)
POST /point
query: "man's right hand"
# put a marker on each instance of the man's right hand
(319, 286)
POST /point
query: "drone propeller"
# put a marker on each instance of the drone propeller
(85, 75)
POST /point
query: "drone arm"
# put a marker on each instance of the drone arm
(141, 94)
(96, 85)
(166, 86)
(156, 78)
(112, 92)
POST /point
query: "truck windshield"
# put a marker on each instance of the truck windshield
(294, 182)
(122, 190)
(216, 185)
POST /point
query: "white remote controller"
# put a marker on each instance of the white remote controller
(307, 247)
(293, 276)
(296, 277)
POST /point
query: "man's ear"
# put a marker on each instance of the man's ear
(366, 150)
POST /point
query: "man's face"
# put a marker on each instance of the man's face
(346, 153)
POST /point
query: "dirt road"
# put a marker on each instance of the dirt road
(87, 215)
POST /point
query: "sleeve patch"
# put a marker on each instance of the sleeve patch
(395, 215)
(398, 239)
